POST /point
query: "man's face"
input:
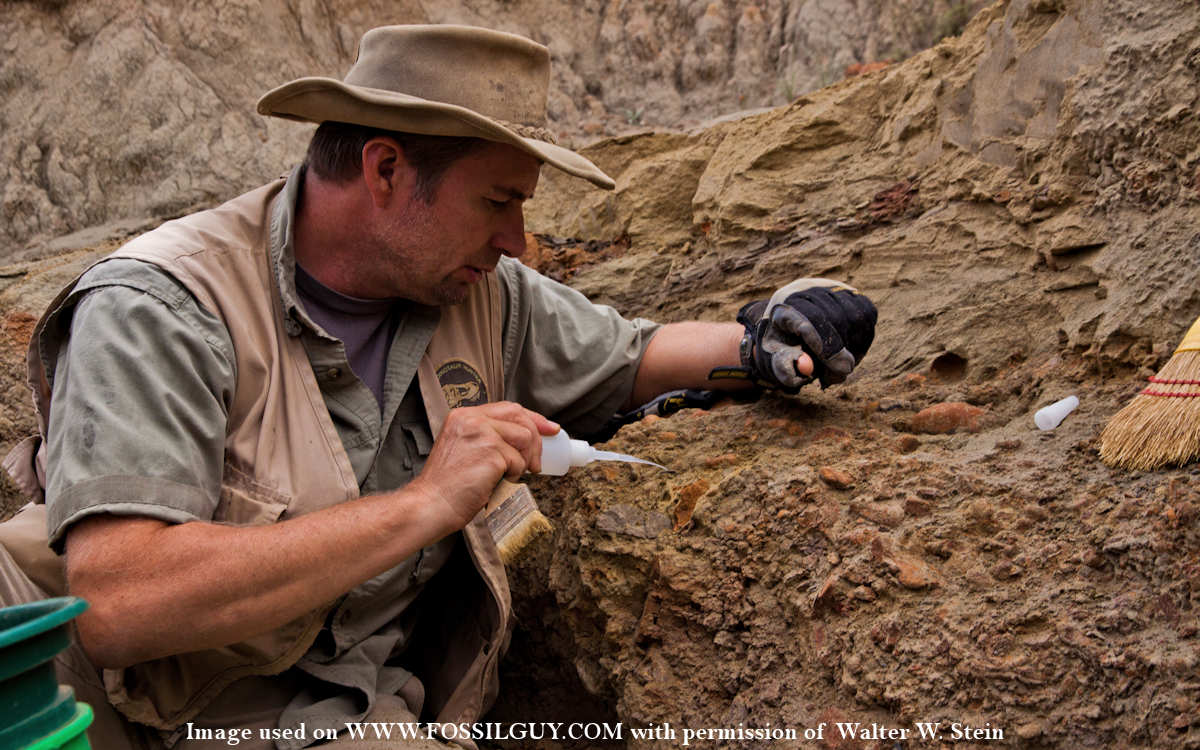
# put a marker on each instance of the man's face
(433, 252)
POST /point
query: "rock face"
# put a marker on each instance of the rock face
(136, 108)
(1032, 171)
(1022, 202)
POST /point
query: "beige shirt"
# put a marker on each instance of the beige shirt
(144, 386)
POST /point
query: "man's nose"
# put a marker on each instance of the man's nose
(510, 238)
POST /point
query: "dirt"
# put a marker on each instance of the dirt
(1002, 579)
(1022, 204)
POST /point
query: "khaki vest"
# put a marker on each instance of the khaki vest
(283, 458)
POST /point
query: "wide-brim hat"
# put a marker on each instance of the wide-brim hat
(440, 80)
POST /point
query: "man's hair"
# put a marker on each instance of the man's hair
(335, 153)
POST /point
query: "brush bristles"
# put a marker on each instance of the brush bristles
(527, 529)
(1161, 426)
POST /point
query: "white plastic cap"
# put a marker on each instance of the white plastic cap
(560, 453)
(582, 454)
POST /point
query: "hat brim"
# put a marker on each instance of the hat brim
(317, 99)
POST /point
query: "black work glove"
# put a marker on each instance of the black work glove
(827, 320)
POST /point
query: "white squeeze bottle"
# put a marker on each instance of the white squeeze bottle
(560, 452)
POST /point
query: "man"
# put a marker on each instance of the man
(255, 466)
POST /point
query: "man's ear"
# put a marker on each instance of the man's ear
(385, 170)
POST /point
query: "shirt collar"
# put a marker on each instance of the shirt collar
(283, 255)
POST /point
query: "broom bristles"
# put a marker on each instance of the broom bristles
(1161, 426)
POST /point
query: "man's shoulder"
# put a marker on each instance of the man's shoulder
(136, 275)
(513, 273)
(136, 289)
(239, 223)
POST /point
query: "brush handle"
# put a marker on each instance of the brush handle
(1191, 341)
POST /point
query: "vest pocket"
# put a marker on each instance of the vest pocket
(25, 463)
(247, 502)
(418, 438)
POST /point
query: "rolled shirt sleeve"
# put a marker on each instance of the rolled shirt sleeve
(141, 391)
(564, 356)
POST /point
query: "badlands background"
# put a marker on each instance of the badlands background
(1022, 201)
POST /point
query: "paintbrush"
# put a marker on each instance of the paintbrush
(514, 519)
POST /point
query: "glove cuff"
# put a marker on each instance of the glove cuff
(750, 370)
(749, 316)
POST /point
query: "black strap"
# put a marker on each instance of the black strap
(665, 405)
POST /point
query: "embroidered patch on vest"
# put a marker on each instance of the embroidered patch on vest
(461, 384)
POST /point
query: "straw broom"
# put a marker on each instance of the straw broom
(1161, 425)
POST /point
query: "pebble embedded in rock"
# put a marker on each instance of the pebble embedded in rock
(1004, 570)
(631, 521)
(1030, 730)
(863, 594)
(944, 418)
(725, 459)
(912, 573)
(836, 478)
(916, 507)
(686, 504)
(888, 514)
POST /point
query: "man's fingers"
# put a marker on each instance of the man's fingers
(803, 365)
(830, 321)
(476, 447)
(790, 321)
(511, 411)
(515, 461)
(545, 426)
(538, 426)
(521, 428)
(512, 427)
(522, 436)
(786, 365)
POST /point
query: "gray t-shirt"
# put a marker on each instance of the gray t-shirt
(366, 327)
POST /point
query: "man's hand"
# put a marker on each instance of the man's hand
(477, 447)
(828, 320)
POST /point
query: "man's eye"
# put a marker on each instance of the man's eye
(496, 204)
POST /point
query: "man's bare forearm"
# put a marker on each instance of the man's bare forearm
(157, 589)
(681, 355)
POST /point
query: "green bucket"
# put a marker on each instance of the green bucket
(73, 736)
(35, 711)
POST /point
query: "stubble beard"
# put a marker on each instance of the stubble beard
(399, 248)
(453, 294)
(395, 257)
(408, 285)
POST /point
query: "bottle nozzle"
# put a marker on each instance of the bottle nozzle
(560, 453)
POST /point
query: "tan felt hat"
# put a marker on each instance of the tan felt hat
(440, 80)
